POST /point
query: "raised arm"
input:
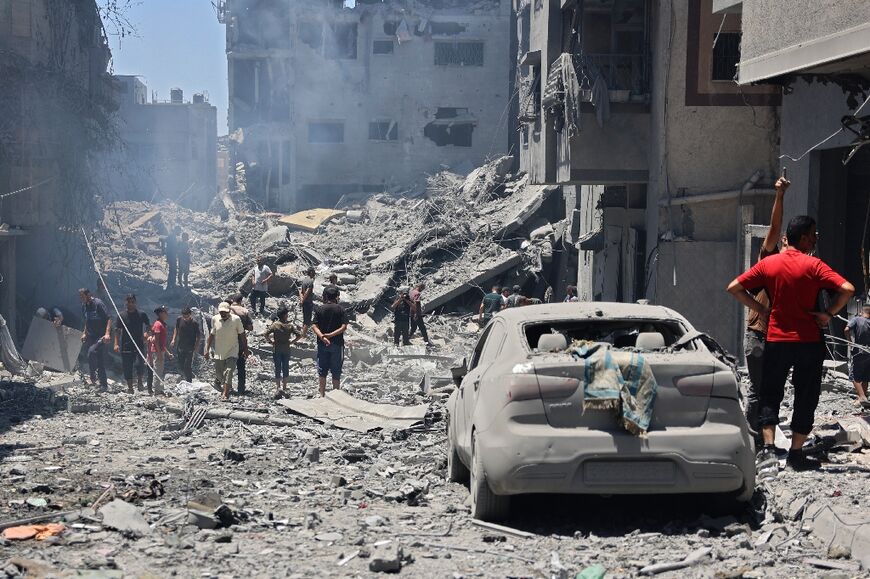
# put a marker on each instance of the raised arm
(774, 232)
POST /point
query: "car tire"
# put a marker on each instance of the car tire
(485, 505)
(456, 471)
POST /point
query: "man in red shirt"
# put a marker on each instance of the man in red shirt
(792, 280)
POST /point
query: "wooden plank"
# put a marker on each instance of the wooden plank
(146, 218)
(310, 220)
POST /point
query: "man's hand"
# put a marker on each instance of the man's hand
(781, 185)
(325, 340)
(822, 319)
(84, 337)
(117, 348)
(168, 353)
(57, 323)
(107, 338)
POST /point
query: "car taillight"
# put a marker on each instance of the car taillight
(557, 386)
(522, 387)
(694, 385)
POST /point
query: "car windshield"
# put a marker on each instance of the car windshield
(619, 333)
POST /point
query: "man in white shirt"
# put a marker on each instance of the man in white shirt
(259, 276)
(225, 341)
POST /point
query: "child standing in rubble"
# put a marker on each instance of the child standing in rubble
(282, 334)
(157, 351)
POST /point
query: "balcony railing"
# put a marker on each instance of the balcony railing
(621, 72)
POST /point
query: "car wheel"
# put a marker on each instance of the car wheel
(456, 471)
(485, 505)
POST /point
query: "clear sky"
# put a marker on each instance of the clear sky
(178, 43)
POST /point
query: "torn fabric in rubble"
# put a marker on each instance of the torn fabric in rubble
(619, 381)
(561, 96)
(601, 99)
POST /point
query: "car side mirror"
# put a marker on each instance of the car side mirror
(459, 372)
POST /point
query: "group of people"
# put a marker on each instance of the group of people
(503, 298)
(176, 247)
(784, 330)
(408, 315)
(144, 347)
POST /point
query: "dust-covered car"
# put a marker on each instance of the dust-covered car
(596, 398)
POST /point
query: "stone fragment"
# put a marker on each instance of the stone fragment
(124, 517)
(312, 454)
(386, 559)
(233, 455)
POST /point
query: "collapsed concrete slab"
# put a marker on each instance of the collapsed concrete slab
(56, 348)
(345, 411)
(310, 220)
(473, 279)
(837, 526)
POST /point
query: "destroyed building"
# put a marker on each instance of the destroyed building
(631, 106)
(55, 115)
(328, 99)
(821, 60)
(169, 148)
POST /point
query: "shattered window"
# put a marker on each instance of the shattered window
(311, 34)
(383, 131)
(326, 132)
(459, 53)
(383, 47)
(457, 134)
(341, 43)
(726, 56)
(618, 333)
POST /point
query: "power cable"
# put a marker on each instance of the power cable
(826, 139)
(22, 190)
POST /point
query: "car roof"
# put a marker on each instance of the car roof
(585, 310)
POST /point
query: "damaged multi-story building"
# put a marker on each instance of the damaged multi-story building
(632, 107)
(330, 99)
(168, 148)
(55, 114)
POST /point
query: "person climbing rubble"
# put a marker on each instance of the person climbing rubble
(185, 341)
(184, 260)
(170, 249)
(402, 307)
(858, 332)
(306, 298)
(329, 324)
(282, 334)
(794, 340)
(492, 304)
(131, 335)
(756, 324)
(226, 342)
(417, 320)
(259, 277)
(241, 311)
(52, 314)
(97, 333)
(157, 351)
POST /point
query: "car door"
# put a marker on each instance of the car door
(472, 375)
(484, 354)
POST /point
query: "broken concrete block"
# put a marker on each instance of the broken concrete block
(55, 348)
(125, 518)
(312, 454)
(387, 559)
(276, 234)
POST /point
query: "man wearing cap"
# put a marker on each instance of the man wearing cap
(157, 351)
(226, 339)
(402, 307)
(237, 309)
(329, 324)
(306, 298)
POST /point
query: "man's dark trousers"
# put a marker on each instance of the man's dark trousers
(97, 360)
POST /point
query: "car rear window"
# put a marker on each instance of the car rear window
(619, 333)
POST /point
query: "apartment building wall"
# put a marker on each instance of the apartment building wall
(367, 99)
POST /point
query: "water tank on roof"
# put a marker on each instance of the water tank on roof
(176, 96)
(198, 98)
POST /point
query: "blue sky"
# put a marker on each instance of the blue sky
(177, 43)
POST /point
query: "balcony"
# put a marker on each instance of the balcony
(626, 75)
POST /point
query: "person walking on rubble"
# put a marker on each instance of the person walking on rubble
(226, 342)
(492, 304)
(516, 298)
(417, 321)
(184, 260)
(329, 324)
(170, 248)
(96, 336)
(157, 351)
(402, 307)
(756, 325)
(131, 335)
(306, 298)
(237, 309)
(260, 276)
(792, 280)
(185, 340)
(282, 334)
(858, 332)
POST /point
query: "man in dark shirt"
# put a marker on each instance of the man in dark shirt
(185, 340)
(858, 332)
(417, 321)
(171, 251)
(306, 298)
(516, 298)
(793, 280)
(329, 324)
(97, 333)
(492, 304)
(756, 324)
(130, 337)
(402, 317)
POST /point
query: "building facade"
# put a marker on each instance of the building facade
(632, 107)
(55, 116)
(328, 100)
(820, 59)
(168, 149)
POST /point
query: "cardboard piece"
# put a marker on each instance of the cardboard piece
(56, 348)
(345, 411)
(310, 220)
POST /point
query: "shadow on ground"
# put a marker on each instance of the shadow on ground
(21, 401)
